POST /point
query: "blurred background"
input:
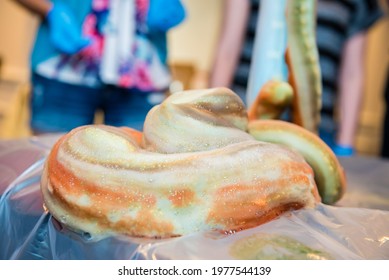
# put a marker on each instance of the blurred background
(191, 53)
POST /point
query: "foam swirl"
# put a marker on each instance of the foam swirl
(195, 168)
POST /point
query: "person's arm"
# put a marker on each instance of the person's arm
(65, 31)
(351, 89)
(235, 17)
(40, 7)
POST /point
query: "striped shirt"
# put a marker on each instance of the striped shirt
(336, 22)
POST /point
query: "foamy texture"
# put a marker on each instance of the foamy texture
(195, 169)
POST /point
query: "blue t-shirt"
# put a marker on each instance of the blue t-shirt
(44, 50)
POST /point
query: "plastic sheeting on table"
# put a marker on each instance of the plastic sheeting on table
(28, 232)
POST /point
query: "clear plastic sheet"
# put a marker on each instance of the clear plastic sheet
(28, 232)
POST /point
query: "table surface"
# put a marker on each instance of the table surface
(367, 182)
(367, 177)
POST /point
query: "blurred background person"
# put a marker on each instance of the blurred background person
(341, 40)
(234, 51)
(91, 55)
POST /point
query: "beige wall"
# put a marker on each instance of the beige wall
(17, 30)
(195, 40)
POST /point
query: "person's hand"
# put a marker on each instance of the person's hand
(65, 33)
(165, 14)
(343, 151)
